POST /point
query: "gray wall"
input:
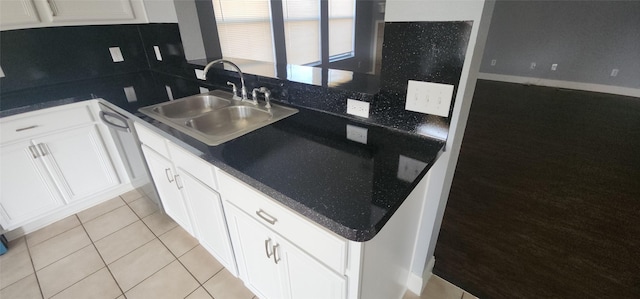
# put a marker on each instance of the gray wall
(587, 39)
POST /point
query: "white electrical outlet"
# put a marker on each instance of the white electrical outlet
(358, 108)
(199, 74)
(116, 54)
(357, 134)
(156, 50)
(554, 66)
(614, 72)
(203, 89)
(130, 93)
(409, 169)
(428, 97)
(533, 66)
(493, 62)
(169, 92)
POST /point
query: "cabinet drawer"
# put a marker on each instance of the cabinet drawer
(43, 121)
(152, 140)
(308, 236)
(197, 167)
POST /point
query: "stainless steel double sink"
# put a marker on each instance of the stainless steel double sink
(215, 117)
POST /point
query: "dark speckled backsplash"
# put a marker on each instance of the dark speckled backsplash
(424, 51)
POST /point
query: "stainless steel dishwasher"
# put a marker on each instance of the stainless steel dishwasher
(126, 140)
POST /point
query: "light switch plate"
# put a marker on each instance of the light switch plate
(357, 134)
(116, 54)
(429, 98)
(156, 50)
(199, 74)
(358, 108)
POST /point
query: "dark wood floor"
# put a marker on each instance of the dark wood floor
(545, 201)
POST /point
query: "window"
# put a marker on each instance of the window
(245, 29)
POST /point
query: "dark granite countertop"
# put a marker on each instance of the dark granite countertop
(304, 161)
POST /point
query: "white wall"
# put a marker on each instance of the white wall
(586, 39)
(441, 174)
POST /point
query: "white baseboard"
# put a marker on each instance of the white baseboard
(416, 283)
(625, 91)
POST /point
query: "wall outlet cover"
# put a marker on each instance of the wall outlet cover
(203, 89)
(429, 98)
(156, 50)
(199, 74)
(116, 54)
(167, 88)
(357, 134)
(130, 93)
(409, 169)
(358, 108)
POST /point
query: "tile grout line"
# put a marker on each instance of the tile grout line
(179, 261)
(35, 273)
(103, 261)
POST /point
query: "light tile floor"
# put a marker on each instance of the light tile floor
(127, 248)
(122, 248)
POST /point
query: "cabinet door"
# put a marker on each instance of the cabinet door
(210, 227)
(17, 12)
(253, 246)
(94, 10)
(27, 190)
(163, 175)
(305, 277)
(79, 161)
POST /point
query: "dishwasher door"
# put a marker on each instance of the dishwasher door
(126, 140)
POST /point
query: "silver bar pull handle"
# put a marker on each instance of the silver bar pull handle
(178, 184)
(124, 126)
(276, 259)
(43, 149)
(26, 128)
(167, 171)
(266, 217)
(266, 247)
(34, 151)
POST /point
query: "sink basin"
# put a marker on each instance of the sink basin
(191, 106)
(214, 117)
(228, 120)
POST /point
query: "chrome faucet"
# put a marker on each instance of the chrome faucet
(243, 88)
(267, 96)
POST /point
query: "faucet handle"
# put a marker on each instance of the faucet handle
(267, 96)
(235, 90)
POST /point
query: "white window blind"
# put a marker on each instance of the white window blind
(244, 28)
(341, 27)
(302, 31)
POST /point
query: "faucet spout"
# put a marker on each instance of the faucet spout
(212, 63)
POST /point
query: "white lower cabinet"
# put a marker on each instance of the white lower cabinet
(55, 162)
(272, 267)
(164, 177)
(210, 227)
(186, 186)
(79, 161)
(27, 190)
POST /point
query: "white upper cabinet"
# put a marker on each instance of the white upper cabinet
(20, 14)
(93, 10)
